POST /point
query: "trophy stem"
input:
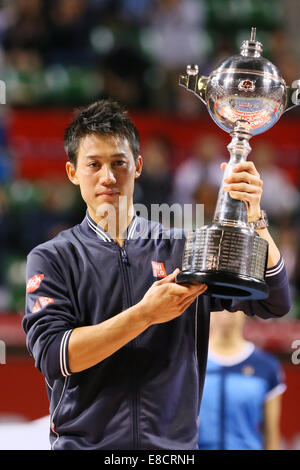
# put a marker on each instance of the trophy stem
(231, 211)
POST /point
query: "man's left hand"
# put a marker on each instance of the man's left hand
(245, 184)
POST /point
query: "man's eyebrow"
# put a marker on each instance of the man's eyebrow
(114, 155)
(120, 154)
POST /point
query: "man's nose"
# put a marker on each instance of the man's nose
(107, 176)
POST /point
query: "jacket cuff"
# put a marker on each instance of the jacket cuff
(270, 272)
(276, 276)
(63, 354)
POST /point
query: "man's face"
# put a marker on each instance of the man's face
(226, 322)
(105, 171)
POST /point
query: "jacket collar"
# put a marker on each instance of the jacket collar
(92, 228)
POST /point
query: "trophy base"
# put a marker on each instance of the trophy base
(231, 260)
(226, 285)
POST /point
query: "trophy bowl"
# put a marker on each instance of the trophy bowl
(245, 96)
(245, 90)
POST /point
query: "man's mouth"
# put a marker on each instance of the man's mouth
(108, 193)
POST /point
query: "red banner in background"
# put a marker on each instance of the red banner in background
(36, 138)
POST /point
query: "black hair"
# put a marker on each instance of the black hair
(103, 118)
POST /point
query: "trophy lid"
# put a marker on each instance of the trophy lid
(251, 48)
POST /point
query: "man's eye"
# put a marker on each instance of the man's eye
(119, 162)
(93, 164)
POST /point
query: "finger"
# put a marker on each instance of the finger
(245, 197)
(245, 177)
(183, 291)
(243, 188)
(246, 166)
(223, 166)
(170, 278)
(188, 301)
(195, 290)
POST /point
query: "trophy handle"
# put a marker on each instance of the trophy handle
(293, 95)
(193, 82)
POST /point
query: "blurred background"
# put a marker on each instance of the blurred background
(56, 55)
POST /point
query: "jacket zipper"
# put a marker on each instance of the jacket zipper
(129, 303)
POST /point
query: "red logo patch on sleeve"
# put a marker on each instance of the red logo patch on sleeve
(36, 308)
(34, 282)
(158, 269)
(45, 301)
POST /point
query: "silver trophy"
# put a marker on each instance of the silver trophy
(245, 96)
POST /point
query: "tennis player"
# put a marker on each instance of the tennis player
(123, 348)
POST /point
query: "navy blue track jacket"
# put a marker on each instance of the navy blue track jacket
(147, 394)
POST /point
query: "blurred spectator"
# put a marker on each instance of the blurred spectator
(174, 37)
(122, 71)
(177, 33)
(154, 184)
(283, 56)
(287, 236)
(288, 240)
(135, 10)
(26, 39)
(7, 160)
(6, 165)
(69, 27)
(7, 16)
(207, 195)
(108, 11)
(277, 203)
(30, 214)
(47, 213)
(202, 167)
(241, 402)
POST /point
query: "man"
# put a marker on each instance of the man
(241, 402)
(123, 356)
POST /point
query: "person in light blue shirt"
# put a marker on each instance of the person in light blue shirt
(241, 401)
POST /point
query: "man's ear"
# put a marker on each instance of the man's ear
(138, 166)
(71, 172)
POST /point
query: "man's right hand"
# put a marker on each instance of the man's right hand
(166, 300)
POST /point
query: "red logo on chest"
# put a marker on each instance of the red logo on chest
(158, 269)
